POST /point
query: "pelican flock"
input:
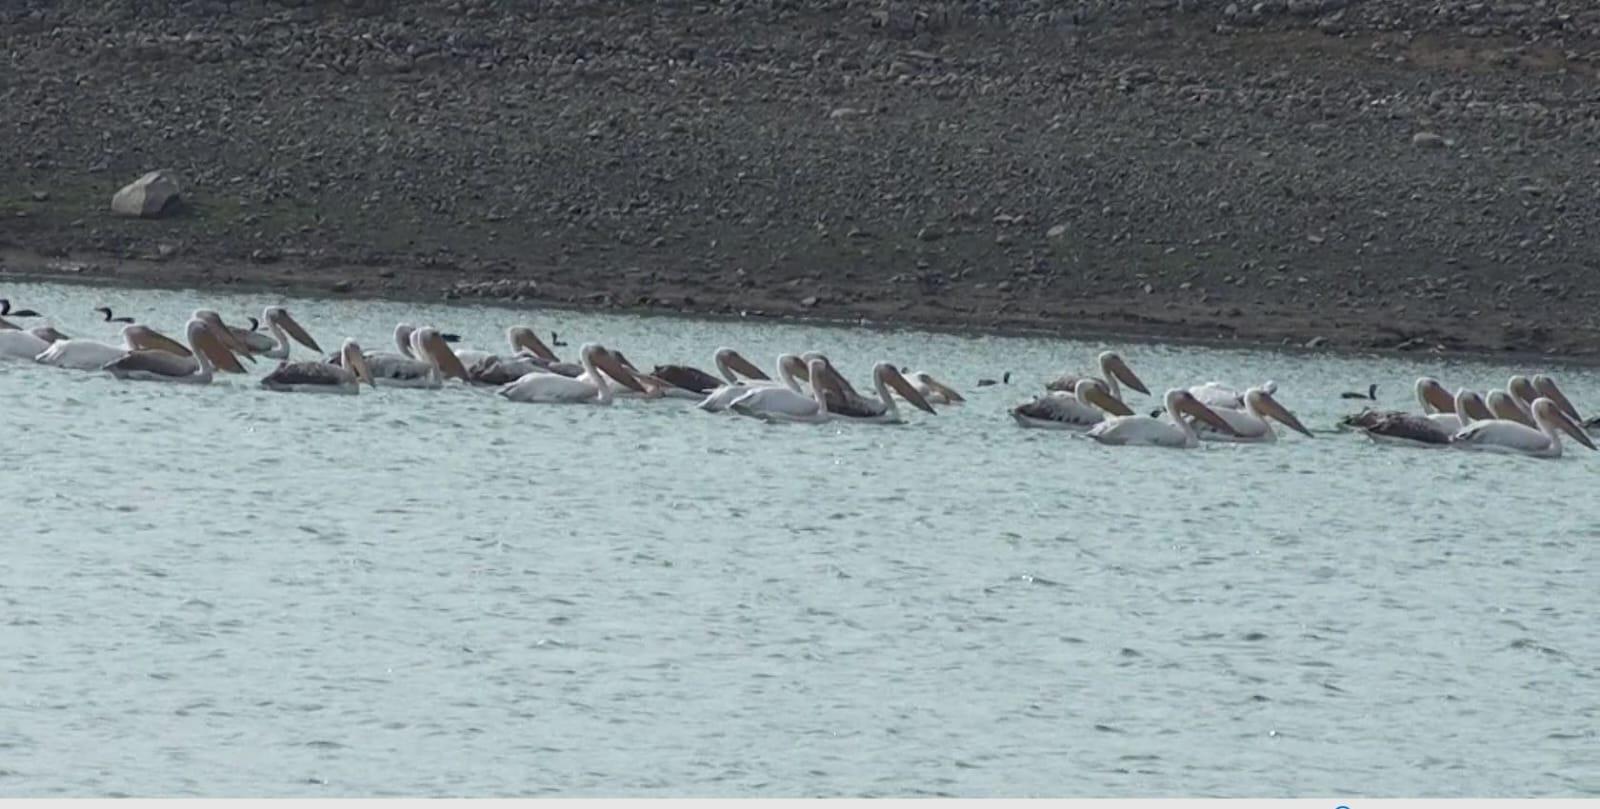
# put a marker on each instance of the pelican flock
(1529, 416)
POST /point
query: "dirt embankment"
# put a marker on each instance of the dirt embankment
(1353, 174)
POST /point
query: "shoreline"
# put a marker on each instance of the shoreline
(305, 281)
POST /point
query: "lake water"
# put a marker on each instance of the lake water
(217, 590)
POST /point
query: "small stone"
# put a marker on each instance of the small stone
(847, 112)
(1428, 140)
(343, 286)
(1056, 232)
(1316, 342)
(930, 234)
(40, 196)
(810, 301)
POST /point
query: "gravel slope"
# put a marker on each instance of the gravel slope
(1372, 174)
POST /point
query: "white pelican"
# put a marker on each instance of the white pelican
(1112, 369)
(210, 354)
(784, 404)
(322, 377)
(789, 367)
(528, 354)
(16, 344)
(1498, 435)
(685, 382)
(1427, 430)
(1216, 394)
(1077, 411)
(106, 310)
(277, 346)
(886, 380)
(1171, 431)
(425, 362)
(933, 390)
(543, 387)
(1250, 424)
(91, 355)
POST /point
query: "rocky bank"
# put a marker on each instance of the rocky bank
(1383, 174)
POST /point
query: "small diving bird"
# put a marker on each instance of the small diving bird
(5, 309)
(322, 377)
(106, 310)
(1004, 379)
(1370, 395)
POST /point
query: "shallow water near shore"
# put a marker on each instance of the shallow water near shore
(224, 591)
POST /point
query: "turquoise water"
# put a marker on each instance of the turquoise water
(219, 590)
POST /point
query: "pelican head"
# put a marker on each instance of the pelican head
(1546, 411)
(892, 377)
(1112, 365)
(605, 361)
(1504, 406)
(1470, 407)
(210, 337)
(1184, 402)
(735, 362)
(1261, 399)
(1547, 388)
(523, 339)
(1098, 394)
(280, 316)
(1433, 397)
(429, 345)
(226, 336)
(356, 362)
(1522, 388)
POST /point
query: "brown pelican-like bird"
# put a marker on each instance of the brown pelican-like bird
(1113, 369)
(685, 381)
(886, 379)
(933, 390)
(211, 353)
(322, 377)
(1079, 410)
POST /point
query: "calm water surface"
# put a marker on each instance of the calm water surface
(223, 591)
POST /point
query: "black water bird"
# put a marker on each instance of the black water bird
(1370, 395)
(555, 340)
(5, 309)
(106, 310)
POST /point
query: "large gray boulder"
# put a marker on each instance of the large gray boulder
(149, 196)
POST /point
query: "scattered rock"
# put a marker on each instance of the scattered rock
(810, 302)
(1056, 232)
(153, 195)
(1428, 140)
